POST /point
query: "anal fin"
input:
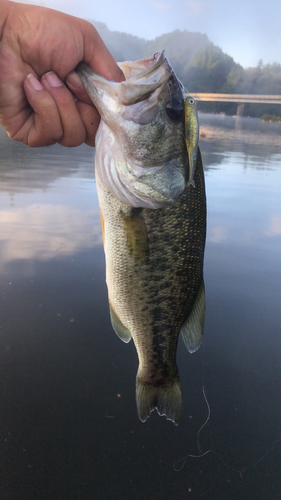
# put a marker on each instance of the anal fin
(192, 329)
(118, 327)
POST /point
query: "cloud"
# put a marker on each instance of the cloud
(46, 231)
(274, 226)
(217, 234)
(161, 6)
(195, 6)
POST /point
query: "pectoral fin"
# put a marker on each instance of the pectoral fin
(192, 329)
(118, 327)
(136, 235)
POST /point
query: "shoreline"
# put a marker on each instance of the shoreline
(210, 133)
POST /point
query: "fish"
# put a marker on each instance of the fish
(153, 223)
(191, 135)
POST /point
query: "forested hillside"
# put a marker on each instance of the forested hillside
(122, 46)
(201, 66)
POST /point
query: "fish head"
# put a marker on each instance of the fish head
(141, 155)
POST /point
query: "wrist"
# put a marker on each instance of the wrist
(4, 12)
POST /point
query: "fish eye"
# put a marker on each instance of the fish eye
(174, 110)
(191, 101)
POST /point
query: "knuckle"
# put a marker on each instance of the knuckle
(43, 138)
(57, 136)
(61, 96)
(90, 141)
(65, 98)
(37, 142)
(18, 136)
(40, 129)
(48, 110)
(73, 140)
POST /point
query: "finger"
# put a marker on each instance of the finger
(87, 110)
(91, 121)
(43, 126)
(74, 132)
(76, 86)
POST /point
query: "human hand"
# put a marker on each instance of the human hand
(39, 49)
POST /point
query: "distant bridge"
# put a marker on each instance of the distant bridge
(241, 99)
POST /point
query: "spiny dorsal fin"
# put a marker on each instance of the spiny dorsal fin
(118, 327)
(192, 329)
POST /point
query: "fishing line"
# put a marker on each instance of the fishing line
(202, 454)
(206, 421)
(179, 464)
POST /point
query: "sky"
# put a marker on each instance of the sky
(247, 30)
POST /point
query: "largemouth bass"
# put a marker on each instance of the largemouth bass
(153, 223)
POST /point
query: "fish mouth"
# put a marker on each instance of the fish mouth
(142, 77)
(142, 67)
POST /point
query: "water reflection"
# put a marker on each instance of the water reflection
(255, 145)
(243, 273)
(69, 428)
(24, 170)
(243, 189)
(46, 231)
(46, 212)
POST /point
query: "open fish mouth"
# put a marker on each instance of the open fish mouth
(142, 77)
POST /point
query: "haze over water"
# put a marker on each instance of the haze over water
(69, 426)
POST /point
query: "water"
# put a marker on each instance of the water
(69, 426)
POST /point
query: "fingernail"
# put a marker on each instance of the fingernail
(53, 79)
(35, 84)
(73, 80)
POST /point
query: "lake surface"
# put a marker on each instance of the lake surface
(69, 426)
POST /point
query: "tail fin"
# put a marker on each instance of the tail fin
(166, 400)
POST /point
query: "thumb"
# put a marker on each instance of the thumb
(97, 55)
